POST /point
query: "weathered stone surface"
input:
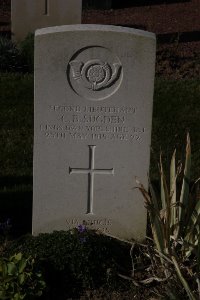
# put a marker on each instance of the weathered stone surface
(29, 15)
(93, 111)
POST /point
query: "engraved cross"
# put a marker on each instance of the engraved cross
(91, 171)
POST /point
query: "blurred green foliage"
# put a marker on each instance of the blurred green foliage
(19, 279)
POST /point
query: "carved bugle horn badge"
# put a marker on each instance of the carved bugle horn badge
(95, 74)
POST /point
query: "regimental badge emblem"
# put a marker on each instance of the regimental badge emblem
(96, 78)
(95, 74)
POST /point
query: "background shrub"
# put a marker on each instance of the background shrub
(17, 58)
(9, 56)
(27, 53)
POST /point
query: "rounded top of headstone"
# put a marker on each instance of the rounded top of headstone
(91, 27)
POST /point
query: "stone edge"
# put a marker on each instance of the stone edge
(105, 28)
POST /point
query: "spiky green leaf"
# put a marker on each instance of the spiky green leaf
(165, 206)
(163, 195)
(156, 223)
(184, 198)
(173, 176)
(182, 279)
(193, 226)
(198, 255)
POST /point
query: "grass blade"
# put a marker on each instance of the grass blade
(163, 195)
(184, 198)
(173, 176)
(198, 255)
(182, 279)
(151, 203)
(165, 207)
(156, 222)
(193, 227)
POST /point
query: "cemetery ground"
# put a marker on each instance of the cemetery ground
(81, 264)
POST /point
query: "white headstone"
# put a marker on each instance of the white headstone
(29, 15)
(93, 111)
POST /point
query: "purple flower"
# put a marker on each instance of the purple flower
(81, 228)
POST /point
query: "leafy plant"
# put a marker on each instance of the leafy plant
(175, 217)
(19, 279)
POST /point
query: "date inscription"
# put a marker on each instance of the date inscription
(110, 123)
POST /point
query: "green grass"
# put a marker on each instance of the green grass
(176, 111)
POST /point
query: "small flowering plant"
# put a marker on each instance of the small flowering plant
(81, 228)
(81, 231)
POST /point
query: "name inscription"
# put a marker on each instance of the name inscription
(92, 122)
